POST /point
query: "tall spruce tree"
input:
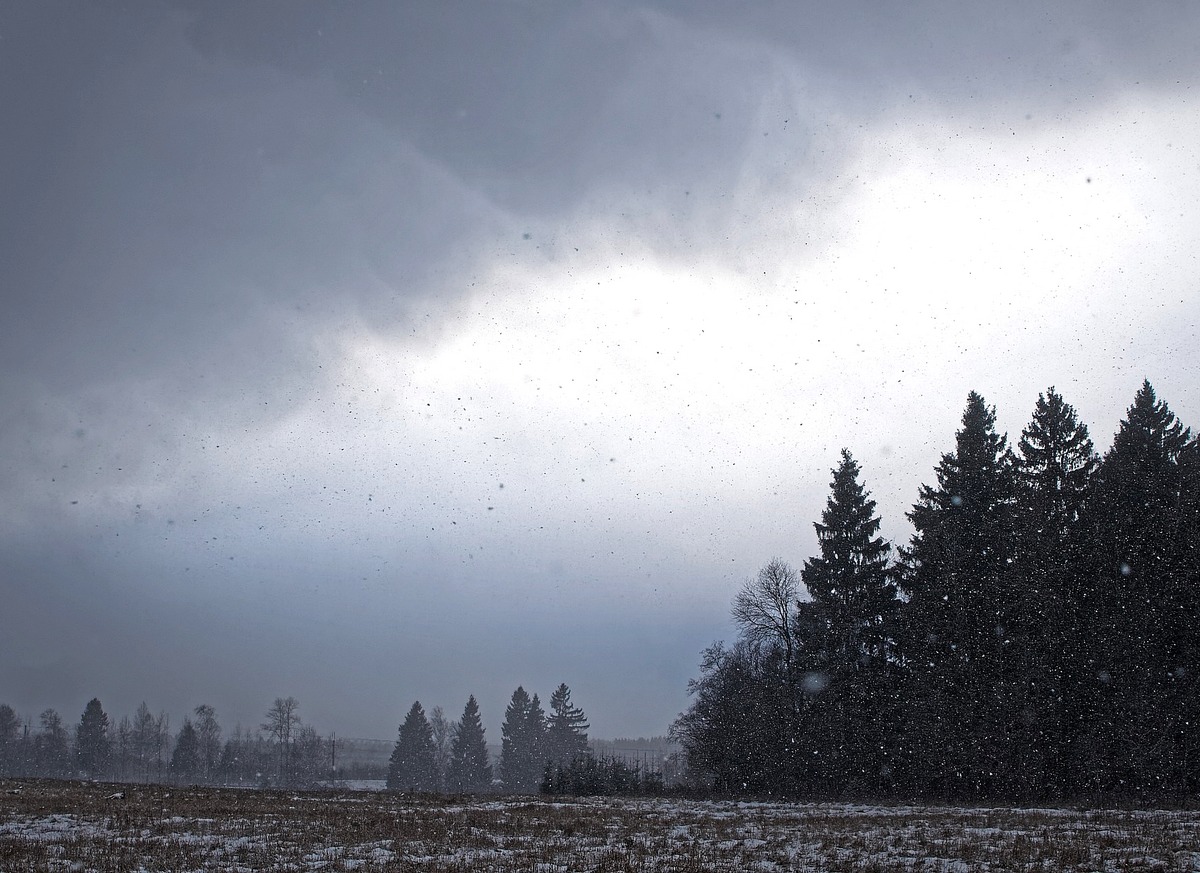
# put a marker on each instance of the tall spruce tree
(957, 578)
(470, 768)
(854, 603)
(1054, 470)
(852, 577)
(521, 747)
(566, 728)
(412, 766)
(536, 720)
(1141, 524)
(92, 748)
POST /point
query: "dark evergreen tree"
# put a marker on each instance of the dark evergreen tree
(1054, 470)
(852, 577)
(537, 731)
(470, 768)
(413, 766)
(92, 748)
(566, 728)
(850, 628)
(1141, 524)
(588, 776)
(186, 759)
(956, 575)
(521, 763)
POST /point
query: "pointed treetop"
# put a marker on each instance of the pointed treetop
(851, 580)
(470, 769)
(1150, 428)
(412, 764)
(1056, 462)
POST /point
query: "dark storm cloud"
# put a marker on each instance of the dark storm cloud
(174, 170)
(167, 212)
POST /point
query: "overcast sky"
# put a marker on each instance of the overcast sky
(372, 352)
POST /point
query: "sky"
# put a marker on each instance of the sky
(374, 352)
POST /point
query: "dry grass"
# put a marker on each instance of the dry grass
(65, 826)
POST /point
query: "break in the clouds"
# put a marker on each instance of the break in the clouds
(368, 353)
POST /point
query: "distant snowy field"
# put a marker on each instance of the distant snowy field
(88, 827)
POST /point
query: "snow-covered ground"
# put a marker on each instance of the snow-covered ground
(82, 827)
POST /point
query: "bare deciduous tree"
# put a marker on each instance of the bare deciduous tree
(764, 609)
(282, 719)
(209, 732)
(149, 739)
(443, 735)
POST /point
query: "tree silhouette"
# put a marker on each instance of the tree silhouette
(566, 728)
(92, 749)
(1054, 470)
(470, 769)
(850, 623)
(521, 761)
(412, 766)
(960, 606)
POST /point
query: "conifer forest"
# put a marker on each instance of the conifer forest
(1037, 640)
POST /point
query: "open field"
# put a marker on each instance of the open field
(64, 826)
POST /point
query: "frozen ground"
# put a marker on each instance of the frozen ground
(82, 826)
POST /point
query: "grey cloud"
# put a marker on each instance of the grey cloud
(185, 210)
(195, 193)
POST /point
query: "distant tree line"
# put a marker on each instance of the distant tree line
(1037, 639)
(540, 752)
(283, 751)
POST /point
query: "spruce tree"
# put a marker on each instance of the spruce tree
(956, 576)
(470, 770)
(1054, 468)
(1141, 525)
(852, 576)
(536, 721)
(92, 752)
(520, 764)
(412, 765)
(566, 728)
(1054, 471)
(854, 602)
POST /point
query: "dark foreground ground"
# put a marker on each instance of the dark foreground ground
(73, 826)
